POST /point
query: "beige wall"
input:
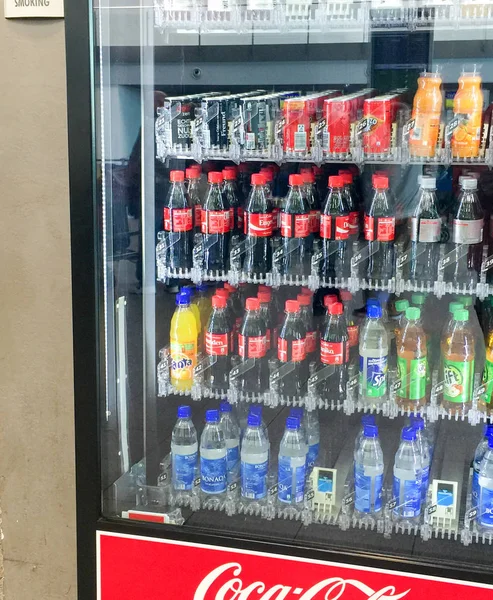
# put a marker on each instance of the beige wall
(37, 496)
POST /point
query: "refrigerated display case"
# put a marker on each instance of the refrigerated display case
(283, 301)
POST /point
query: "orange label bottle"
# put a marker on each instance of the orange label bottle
(468, 107)
(427, 109)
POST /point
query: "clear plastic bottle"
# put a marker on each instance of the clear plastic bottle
(184, 449)
(254, 460)
(213, 456)
(366, 419)
(232, 436)
(296, 237)
(424, 449)
(481, 449)
(292, 464)
(373, 357)
(334, 231)
(257, 409)
(408, 478)
(195, 198)
(485, 481)
(311, 426)
(178, 223)
(380, 231)
(368, 473)
(258, 226)
(216, 223)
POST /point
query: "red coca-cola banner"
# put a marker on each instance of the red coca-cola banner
(139, 568)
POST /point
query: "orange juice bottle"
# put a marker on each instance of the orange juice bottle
(427, 108)
(183, 343)
(468, 107)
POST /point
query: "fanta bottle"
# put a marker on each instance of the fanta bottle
(183, 343)
(468, 108)
(427, 108)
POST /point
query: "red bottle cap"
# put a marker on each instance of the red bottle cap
(345, 295)
(308, 177)
(335, 181)
(347, 178)
(218, 302)
(306, 291)
(380, 182)
(329, 300)
(303, 300)
(229, 175)
(336, 309)
(258, 179)
(292, 306)
(223, 293)
(192, 173)
(295, 179)
(263, 297)
(252, 304)
(215, 177)
(176, 176)
(229, 287)
(196, 167)
(231, 168)
(267, 173)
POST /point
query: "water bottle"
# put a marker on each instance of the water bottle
(183, 450)
(213, 455)
(366, 419)
(299, 414)
(312, 433)
(485, 480)
(368, 473)
(292, 463)
(424, 450)
(254, 460)
(478, 458)
(373, 357)
(232, 436)
(256, 409)
(407, 478)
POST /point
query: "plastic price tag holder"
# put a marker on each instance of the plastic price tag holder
(280, 255)
(273, 490)
(239, 371)
(324, 486)
(458, 252)
(209, 111)
(278, 375)
(362, 252)
(163, 371)
(444, 500)
(318, 378)
(471, 515)
(162, 478)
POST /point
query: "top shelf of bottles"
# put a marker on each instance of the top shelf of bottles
(244, 16)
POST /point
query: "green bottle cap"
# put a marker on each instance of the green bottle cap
(461, 315)
(453, 306)
(418, 299)
(401, 305)
(413, 313)
(466, 301)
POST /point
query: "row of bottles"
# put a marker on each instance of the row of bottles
(341, 237)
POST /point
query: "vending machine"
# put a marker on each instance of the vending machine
(282, 290)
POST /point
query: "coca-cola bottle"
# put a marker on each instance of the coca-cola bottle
(291, 347)
(334, 231)
(193, 191)
(467, 230)
(314, 203)
(380, 231)
(354, 228)
(252, 344)
(306, 314)
(352, 327)
(218, 346)
(295, 230)
(224, 293)
(235, 205)
(334, 353)
(270, 319)
(423, 231)
(257, 227)
(215, 225)
(178, 224)
(269, 193)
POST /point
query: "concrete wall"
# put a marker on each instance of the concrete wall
(37, 491)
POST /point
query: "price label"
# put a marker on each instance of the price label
(472, 513)
(198, 122)
(321, 125)
(487, 264)
(353, 383)
(396, 386)
(402, 260)
(348, 499)
(356, 259)
(478, 392)
(273, 490)
(452, 126)
(162, 478)
(444, 262)
(198, 369)
(232, 487)
(438, 389)
(280, 125)
(409, 126)
(432, 509)
(309, 496)
(392, 504)
(196, 482)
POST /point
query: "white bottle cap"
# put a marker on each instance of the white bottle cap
(469, 183)
(428, 183)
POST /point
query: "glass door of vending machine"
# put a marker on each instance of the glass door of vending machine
(293, 259)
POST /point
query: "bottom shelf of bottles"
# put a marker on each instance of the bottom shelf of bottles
(408, 477)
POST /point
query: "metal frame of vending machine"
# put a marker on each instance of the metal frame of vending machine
(89, 376)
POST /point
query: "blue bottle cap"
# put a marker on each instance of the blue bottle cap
(374, 311)
(490, 441)
(409, 434)
(253, 420)
(418, 423)
(184, 412)
(368, 420)
(370, 431)
(292, 423)
(212, 416)
(225, 407)
(182, 298)
(488, 429)
(256, 409)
